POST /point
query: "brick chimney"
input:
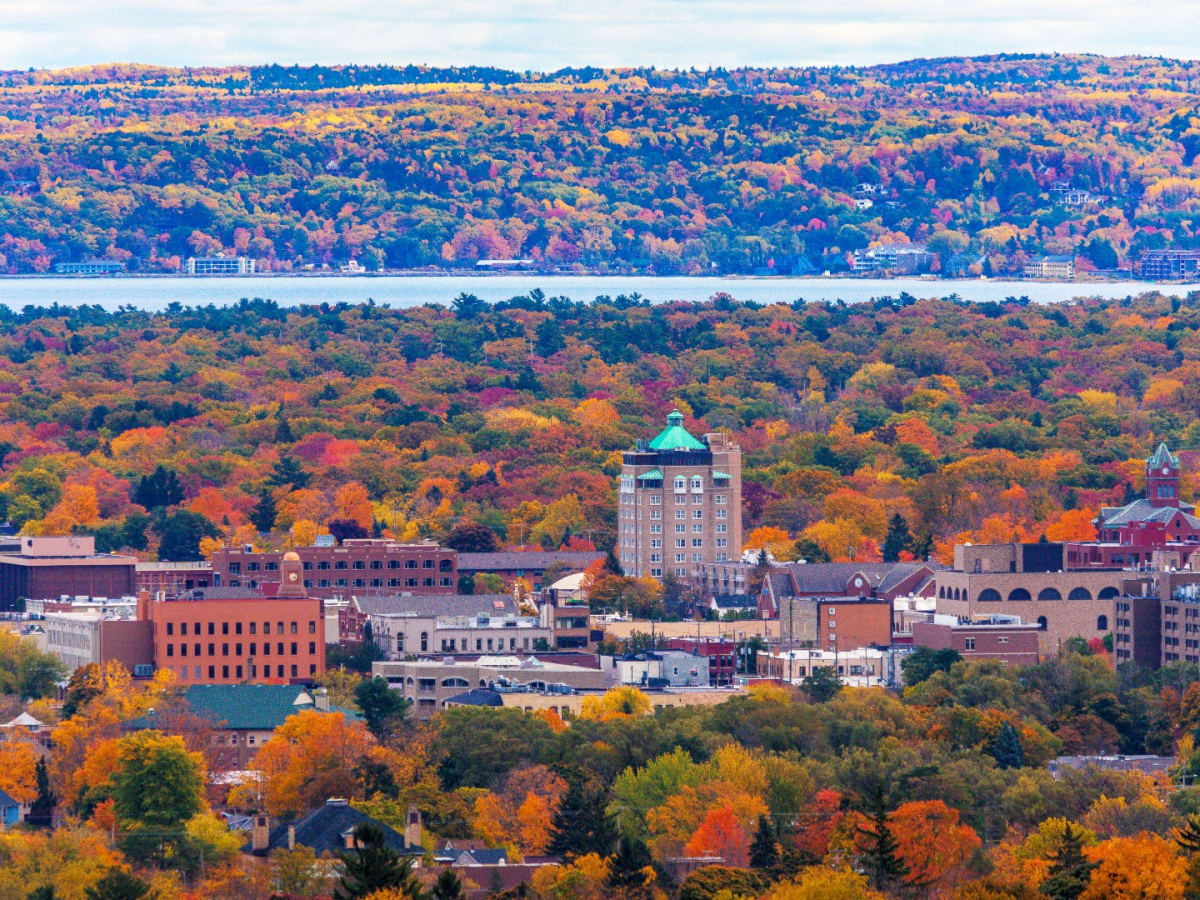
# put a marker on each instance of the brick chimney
(412, 827)
(260, 833)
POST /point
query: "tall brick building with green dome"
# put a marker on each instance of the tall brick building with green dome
(679, 502)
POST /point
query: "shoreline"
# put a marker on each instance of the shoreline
(528, 273)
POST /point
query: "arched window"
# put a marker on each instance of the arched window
(1018, 595)
(1107, 593)
(455, 682)
(1042, 623)
(1049, 594)
(989, 595)
(400, 643)
(1102, 623)
(424, 641)
(1079, 593)
(941, 593)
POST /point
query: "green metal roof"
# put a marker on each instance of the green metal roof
(675, 436)
(652, 475)
(1162, 457)
(258, 707)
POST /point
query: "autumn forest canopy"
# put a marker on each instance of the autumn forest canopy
(645, 170)
(997, 421)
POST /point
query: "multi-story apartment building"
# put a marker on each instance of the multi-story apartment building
(679, 503)
(358, 567)
(1166, 265)
(219, 265)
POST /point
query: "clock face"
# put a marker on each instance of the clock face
(1166, 470)
(291, 576)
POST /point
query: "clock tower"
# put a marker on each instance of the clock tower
(1162, 478)
(291, 577)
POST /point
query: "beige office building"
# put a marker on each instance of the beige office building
(679, 503)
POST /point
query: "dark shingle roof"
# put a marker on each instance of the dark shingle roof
(508, 561)
(324, 829)
(733, 601)
(477, 697)
(816, 578)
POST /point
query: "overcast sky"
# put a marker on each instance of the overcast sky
(547, 34)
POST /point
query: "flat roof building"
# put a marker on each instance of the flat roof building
(357, 567)
(429, 682)
(231, 636)
(47, 568)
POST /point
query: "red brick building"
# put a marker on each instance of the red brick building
(46, 568)
(1129, 535)
(835, 623)
(230, 637)
(357, 567)
(1012, 643)
(173, 577)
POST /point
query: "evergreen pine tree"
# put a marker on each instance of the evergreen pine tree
(44, 892)
(1188, 836)
(764, 851)
(41, 811)
(1006, 748)
(118, 884)
(627, 868)
(447, 887)
(898, 538)
(881, 860)
(263, 514)
(1130, 494)
(373, 866)
(287, 472)
(1070, 870)
(283, 432)
(581, 825)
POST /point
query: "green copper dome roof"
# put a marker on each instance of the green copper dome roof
(675, 436)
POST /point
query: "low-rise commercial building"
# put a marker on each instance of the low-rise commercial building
(861, 667)
(429, 682)
(81, 638)
(172, 578)
(47, 568)
(567, 705)
(720, 653)
(658, 668)
(1002, 638)
(833, 623)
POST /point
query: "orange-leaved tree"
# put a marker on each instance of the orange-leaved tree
(311, 757)
(721, 834)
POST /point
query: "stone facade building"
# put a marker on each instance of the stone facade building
(679, 503)
(1034, 582)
